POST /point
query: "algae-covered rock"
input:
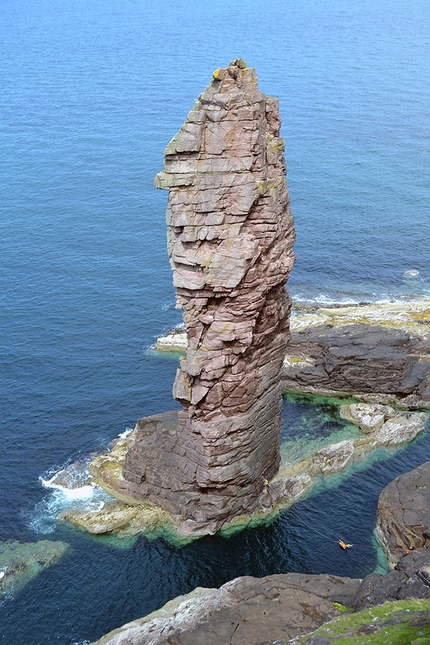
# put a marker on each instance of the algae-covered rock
(124, 519)
(21, 562)
(393, 623)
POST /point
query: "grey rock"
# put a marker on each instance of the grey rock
(274, 609)
(403, 515)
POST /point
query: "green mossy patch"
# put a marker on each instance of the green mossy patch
(393, 623)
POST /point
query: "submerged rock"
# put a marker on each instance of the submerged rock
(20, 562)
(403, 516)
(230, 239)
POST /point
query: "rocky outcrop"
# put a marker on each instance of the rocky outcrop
(402, 621)
(245, 610)
(230, 239)
(387, 426)
(251, 611)
(361, 358)
(380, 350)
(403, 517)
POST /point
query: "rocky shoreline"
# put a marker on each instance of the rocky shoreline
(287, 608)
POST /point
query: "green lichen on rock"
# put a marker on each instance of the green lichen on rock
(393, 623)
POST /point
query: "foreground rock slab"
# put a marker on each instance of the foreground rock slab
(252, 611)
(230, 240)
(403, 516)
(245, 610)
(393, 622)
(20, 562)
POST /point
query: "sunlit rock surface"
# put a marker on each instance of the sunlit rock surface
(291, 483)
(380, 350)
(230, 240)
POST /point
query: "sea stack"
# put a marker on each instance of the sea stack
(230, 241)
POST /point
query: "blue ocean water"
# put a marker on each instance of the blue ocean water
(92, 91)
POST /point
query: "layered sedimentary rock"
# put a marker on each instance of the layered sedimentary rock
(230, 240)
(361, 358)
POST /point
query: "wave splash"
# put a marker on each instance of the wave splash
(70, 486)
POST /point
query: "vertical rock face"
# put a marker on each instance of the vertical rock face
(230, 240)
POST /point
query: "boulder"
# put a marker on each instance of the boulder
(369, 417)
(401, 428)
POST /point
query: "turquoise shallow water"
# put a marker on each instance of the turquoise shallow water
(92, 92)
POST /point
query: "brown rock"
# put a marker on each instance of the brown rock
(230, 239)
(361, 358)
(403, 518)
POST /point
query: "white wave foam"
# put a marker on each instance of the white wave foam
(373, 298)
(80, 492)
(126, 432)
(68, 488)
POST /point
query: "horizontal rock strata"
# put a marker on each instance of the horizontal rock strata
(381, 349)
(361, 358)
(230, 239)
(380, 425)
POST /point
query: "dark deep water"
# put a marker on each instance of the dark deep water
(92, 92)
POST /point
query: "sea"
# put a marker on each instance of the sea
(91, 93)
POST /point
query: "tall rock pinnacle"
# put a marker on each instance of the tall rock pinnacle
(230, 240)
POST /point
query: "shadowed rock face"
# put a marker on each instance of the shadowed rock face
(403, 521)
(230, 239)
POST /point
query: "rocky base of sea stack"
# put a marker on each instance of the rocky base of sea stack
(127, 514)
